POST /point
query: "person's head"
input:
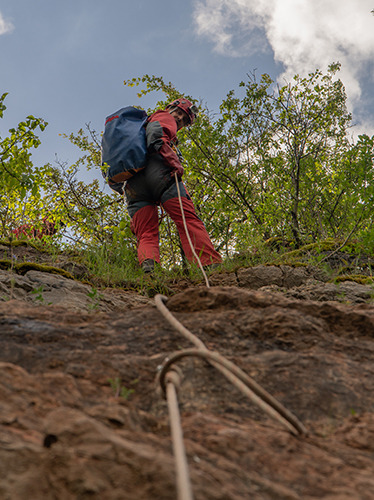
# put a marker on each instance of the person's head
(183, 111)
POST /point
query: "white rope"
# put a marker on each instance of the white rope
(184, 486)
(188, 234)
(233, 373)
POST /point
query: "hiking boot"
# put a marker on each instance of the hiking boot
(148, 265)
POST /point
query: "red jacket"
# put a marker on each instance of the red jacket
(26, 230)
(161, 133)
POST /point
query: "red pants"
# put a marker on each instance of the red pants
(144, 225)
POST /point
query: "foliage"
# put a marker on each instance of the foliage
(21, 183)
(94, 297)
(277, 162)
(119, 390)
(88, 220)
(269, 157)
(96, 223)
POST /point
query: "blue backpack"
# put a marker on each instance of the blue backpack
(123, 146)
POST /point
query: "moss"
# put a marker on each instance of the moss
(15, 243)
(33, 266)
(300, 264)
(23, 267)
(321, 246)
(25, 243)
(288, 263)
(357, 278)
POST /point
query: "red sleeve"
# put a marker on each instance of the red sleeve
(161, 134)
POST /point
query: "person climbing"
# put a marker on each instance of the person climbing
(46, 228)
(156, 185)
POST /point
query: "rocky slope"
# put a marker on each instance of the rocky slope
(81, 411)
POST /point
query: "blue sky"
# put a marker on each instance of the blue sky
(66, 61)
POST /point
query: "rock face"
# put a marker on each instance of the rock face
(82, 415)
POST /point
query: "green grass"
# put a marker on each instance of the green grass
(115, 264)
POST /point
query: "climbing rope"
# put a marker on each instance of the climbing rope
(233, 373)
(171, 383)
(188, 234)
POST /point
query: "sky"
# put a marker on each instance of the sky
(66, 61)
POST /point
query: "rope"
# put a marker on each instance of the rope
(173, 379)
(188, 234)
(243, 382)
(234, 374)
(170, 381)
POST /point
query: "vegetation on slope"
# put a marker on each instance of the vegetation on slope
(275, 175)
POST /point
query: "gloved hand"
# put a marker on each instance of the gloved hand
(179, 170)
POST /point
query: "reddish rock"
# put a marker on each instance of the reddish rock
(81, 415)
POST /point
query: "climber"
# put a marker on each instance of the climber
(156, 185)
(47, 228)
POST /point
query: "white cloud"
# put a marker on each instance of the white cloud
(303, 34)
(5, 26)
(230, 25)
